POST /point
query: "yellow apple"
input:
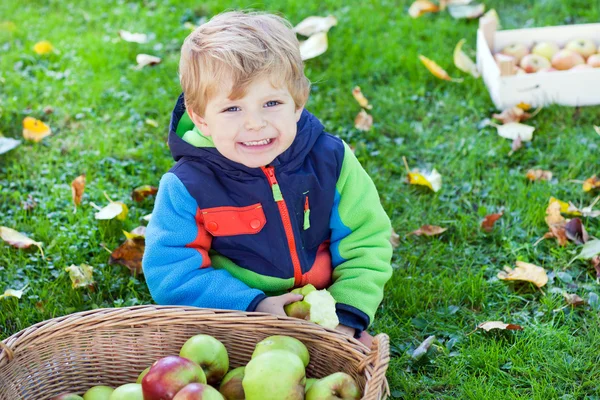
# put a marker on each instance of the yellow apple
(585, 47)
(545, 49)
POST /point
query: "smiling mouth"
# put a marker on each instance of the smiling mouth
(262, 142)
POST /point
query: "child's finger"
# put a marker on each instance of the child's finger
(291, 297)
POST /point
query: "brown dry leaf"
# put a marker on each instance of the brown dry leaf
(394, 239)
(489, 325)
(463, 62)
(77, 189)
(34, 129)
(591, 183)
(362, 100)
(489, 221)
(468, 11)
(436, 70)
(538, 175)
(514, 114)
(18, 240)
(28, 204)
(556, 223)
(573, 299)
(314, 46)
(525, 272)
(428, 230)
(140, 193)
(144, 60)
(130, 253)
(595, 261)
(311, 25)
(516, 145)
(576, 231)
(363, 121)
(81, 275)
(421, 7)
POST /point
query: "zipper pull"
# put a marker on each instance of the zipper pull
(306, 214)
(270, 172)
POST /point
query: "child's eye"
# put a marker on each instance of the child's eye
(230, 109)
(272, 103)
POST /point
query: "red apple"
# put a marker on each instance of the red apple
(585, 47)
(594, 60)
(517, 50)
(67, 396)
(533, 63)
(169, 375)
(198, 391)
(566, 59)
(231, 386)
(209, 353)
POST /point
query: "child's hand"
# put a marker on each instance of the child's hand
(274, 304)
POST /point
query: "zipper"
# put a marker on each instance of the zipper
(306, 214)
(287, 223)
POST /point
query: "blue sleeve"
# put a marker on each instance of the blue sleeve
(172, 270)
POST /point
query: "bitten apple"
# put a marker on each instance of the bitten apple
(317, 306)
(209, 353)
(282, 342)
(274, 375)
(533, 63)
(566, 59)
(231, 386)
(169, 375)
(517, 50)
(335, 386)
(585, 47)
(545, 49)
(198, 391)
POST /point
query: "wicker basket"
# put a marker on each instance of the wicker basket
(112, 346)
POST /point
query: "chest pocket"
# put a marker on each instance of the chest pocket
(314, 227)
(232, 221)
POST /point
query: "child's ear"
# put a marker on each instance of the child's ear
(199, 121)
(298, 113)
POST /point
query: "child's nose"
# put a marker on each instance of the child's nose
(255, 122)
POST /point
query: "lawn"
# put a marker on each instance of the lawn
(443, 285)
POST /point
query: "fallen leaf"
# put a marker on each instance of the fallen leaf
(565, 208)
(34, 129)
(421, 7)
(463, 62)
(362, 100)
(133, 37)
(311, 25)
(147, 217)
(130, 253)
(556, 223)
(77, 189)
(514, 130)
(597, 129)
(144, 60)
(139, 232)
(489, 325)
(43, 47)
(576, 231)
(7, 144)
(151, 122)
(28, 204)
(81, 275)
(590, 250)
(595, 261)
(525, 272)
(573, 299)
(423, 347)
(428, 230)
(13, 293)
(140, 193)
(394, 239)
(587, 211)
(516, 145)
(113, 209)
(363, 121)
(513, 114)
(524, 106)
(18, 240)
(591, 183)
(538, 175)
(468, 11)
(314, 46)
(488, 222)
(436, 70)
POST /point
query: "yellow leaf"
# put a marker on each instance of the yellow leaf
(538, 175)
(513, 130)
(363, 121)
(139, 232)
(43, 47)
(421, 7)
(433, 179)
(81, 275)
(565, 208)
(13, 293)
(436, 70)
(597, 129)
(311, 25)
(429, 230)
(463, 62)
(362, 100)
(34, 129)
(525, 272)
(151, 122)
(524, 106)
(17, 239)
(591, 183)
(492, 14)
(487, 326)
(314, 46)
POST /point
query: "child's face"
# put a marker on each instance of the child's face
(254, 129)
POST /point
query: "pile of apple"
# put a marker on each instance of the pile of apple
(548, 56)
(275, 371)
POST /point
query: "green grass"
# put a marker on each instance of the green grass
(442, 286)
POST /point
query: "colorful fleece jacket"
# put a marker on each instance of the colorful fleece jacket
(223, 235)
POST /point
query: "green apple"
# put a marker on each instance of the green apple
(67, 396)
(142, 375)
(300, 309)
(335, 386)
(169, 375)
(545, 49)
(210, 354)
(274, 375)
(98, 393)
(198, 391)
(317, 306)
(309, 383)
(231, 386)
(129, 391)
(281, 342)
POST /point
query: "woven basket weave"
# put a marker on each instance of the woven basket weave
(112, 346)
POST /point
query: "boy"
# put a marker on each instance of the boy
(261, 200)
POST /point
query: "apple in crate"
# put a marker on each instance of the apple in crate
(585, 47)
(169, 375)
(566, 59)
(582, 66)
(198, 391)
(282, 342)
(98, 393)
(231, 386)
(67, 396)
(129, 391)
(545, 49)
(335, 386)
(209, 353)
(594, 60)
(317, 306)
(274, 375)
(517, 50)
(533, 63)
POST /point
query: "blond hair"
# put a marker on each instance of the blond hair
(241, 46)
